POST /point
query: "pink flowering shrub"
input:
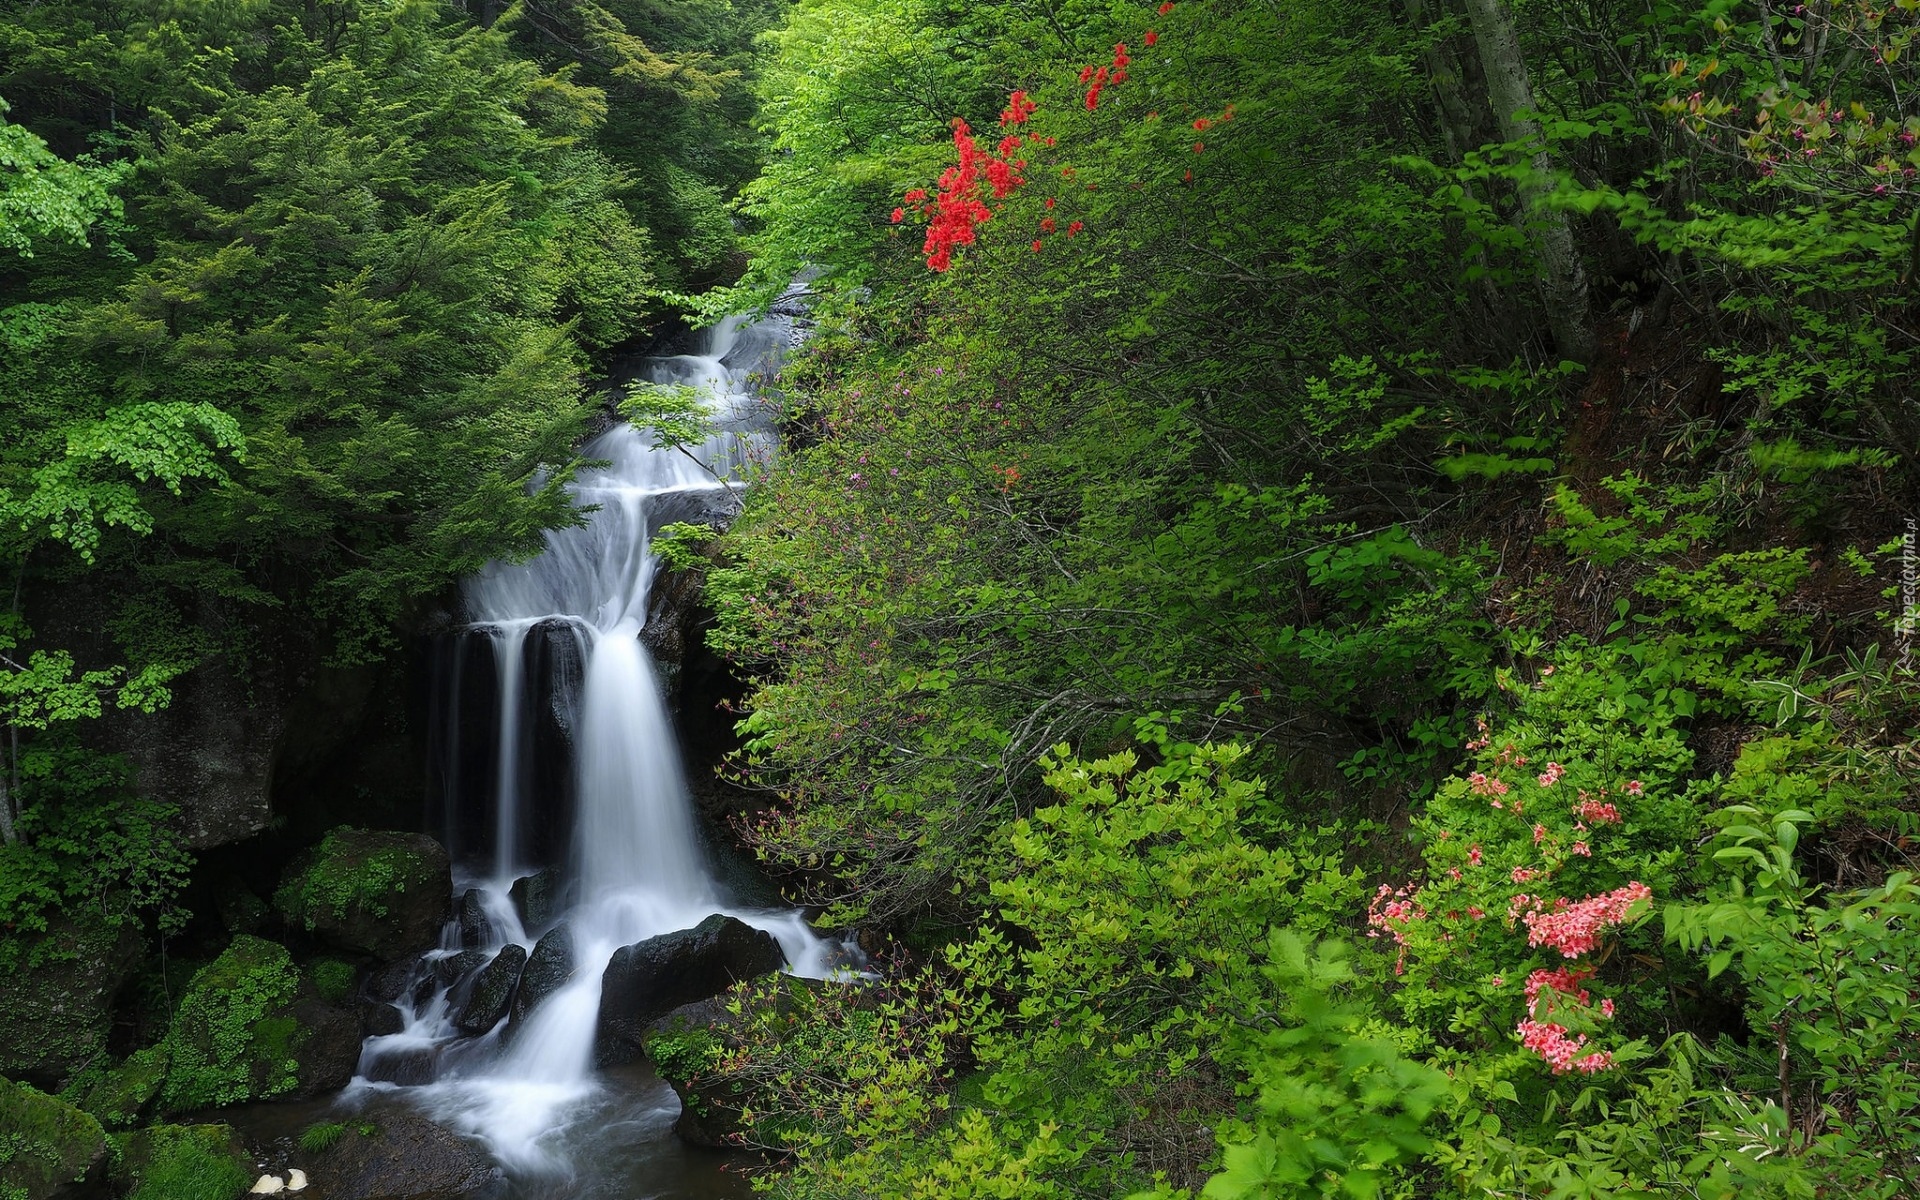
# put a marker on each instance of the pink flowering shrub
(1537, 860)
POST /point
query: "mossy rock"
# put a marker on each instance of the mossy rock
(231, 1040)
(123, 1096)
(373, 892)
(182, 1162)
(247, 1030)
(48, 1148)
(60, 998)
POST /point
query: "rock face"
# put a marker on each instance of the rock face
(57, 1012)
(326, 1047)
(645, 981)
(182, 1160)
(492, 992)
(48, 1150)
(536, 897)
(404, 1158)
(551, 966)
(372, 892)
(476, 928)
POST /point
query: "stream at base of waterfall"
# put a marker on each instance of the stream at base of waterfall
(633, 864)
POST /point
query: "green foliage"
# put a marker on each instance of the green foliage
(90, 845)
(45, 198)
(1829, 979)
(333, 979)
(321, 1137)
(185, 1162)
(227, 1042)
(1340, 1107)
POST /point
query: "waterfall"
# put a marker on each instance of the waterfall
(565, 631)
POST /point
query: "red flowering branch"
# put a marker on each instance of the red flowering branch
(958, 208)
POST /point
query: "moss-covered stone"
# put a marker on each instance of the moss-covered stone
(333, 980)
(230, 1040)
(60, 998)
(182, 1162)
(48, 1148)
(370, 892)
(248, 1029)
(123, 1096)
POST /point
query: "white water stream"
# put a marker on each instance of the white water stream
(635, 867)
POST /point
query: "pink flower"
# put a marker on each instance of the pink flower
(1636, 788)
(1574, 927)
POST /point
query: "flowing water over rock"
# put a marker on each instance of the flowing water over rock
(578, 773)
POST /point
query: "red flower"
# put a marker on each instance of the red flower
(1036, 245)
(899, 215)
(1151, 37)
(1018, 109)
(1202, 124)
(1166, 8)
(1047, 225)
(1199, 146)
(1049, 201)
(1074, 227)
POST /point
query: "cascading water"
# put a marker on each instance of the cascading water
(564, 630)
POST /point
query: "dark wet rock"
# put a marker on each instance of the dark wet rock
(409, 978)
(408, 1066)
(404, 1157)
(374, 892)
(325, 1047)
(57, 1012)
(211, 1160)
(645, 981)
(548, 970)
(536, 898)
(240, 910)
(476, 928)
(379, 1019)
(492, 992)
(455, 967)
(49, 1150)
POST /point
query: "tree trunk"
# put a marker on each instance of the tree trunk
(1563, 282)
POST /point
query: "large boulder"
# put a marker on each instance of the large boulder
(48, 1149)
(403, 1157)
(59, 996)
(548, 970)
(182, 1162)
(492, 992)
(122, 1098)
(645, 981)
(369, 891)
(246, 1029)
